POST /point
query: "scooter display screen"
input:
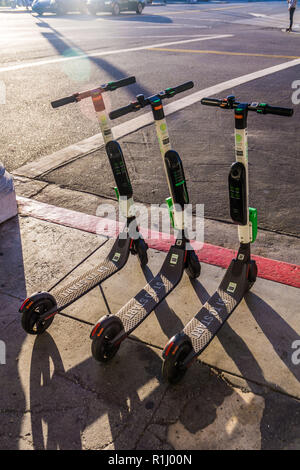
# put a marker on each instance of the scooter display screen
(237, 193)
(176, 177)
(119, 169)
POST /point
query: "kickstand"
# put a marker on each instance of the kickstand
(104, 298)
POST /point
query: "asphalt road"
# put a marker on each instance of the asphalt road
(208, 43)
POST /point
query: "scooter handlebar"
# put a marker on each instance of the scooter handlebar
(63, 101)
(122, 111)
(142, 101)
(267, 109)
(180, 88)
(211, 101)
(107, 87)
(261, 108)
(119, 83)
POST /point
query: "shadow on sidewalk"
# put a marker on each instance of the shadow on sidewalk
(94, 405)
(65, 403)
(277, 331)
(12, 293)
(279, 425)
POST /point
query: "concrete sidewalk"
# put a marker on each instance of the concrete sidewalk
(242, 393)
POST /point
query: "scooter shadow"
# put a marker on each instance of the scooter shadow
(70, 402)
(67, 48)
(65, 403)
(276, 329)
(278, 332)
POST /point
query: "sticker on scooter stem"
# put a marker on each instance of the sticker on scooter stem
(231, 287)
(116, 257)
(174, 259)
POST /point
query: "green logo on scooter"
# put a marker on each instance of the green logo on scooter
(174, 259)
(116, 257)
(231, 287)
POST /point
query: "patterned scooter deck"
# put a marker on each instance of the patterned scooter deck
(115, 261)
(139, 307)
(214, 313)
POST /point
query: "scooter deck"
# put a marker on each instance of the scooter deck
(140, 306)
(115, 261)
(214, 313)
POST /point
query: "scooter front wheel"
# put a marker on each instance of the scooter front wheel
(31, 316)
(103, 350)
(172, 368)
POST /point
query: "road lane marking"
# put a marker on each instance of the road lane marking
(63, 156)
(198, 10)
(80, 56)
(258, 15)
(250, 54)
(11, 43)
(179, 25)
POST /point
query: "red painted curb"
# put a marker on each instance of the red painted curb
(273, 270)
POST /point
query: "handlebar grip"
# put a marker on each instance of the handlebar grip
(121, 111)
(63, 101)
(279, 111)
(211, 101)
(180, 88)
(122, 82)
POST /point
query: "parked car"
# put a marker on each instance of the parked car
(115, 6)
(60, 7)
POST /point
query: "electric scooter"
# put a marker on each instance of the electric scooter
(241, 274)
(111, 330)
(39, 309)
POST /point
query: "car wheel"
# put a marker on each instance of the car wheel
(139, 8)
(116, 9)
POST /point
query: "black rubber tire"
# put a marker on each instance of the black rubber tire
(193, 267)
(252, 275)
(116, 9)
(141, 248)
(139, 8)
(172, 371)
(102, 350)
(30, 317)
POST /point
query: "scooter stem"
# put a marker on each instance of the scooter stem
(241, 155)
(164, 146)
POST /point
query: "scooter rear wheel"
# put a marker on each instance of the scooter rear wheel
(31, 316)
(102, 348)
(172, 368)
